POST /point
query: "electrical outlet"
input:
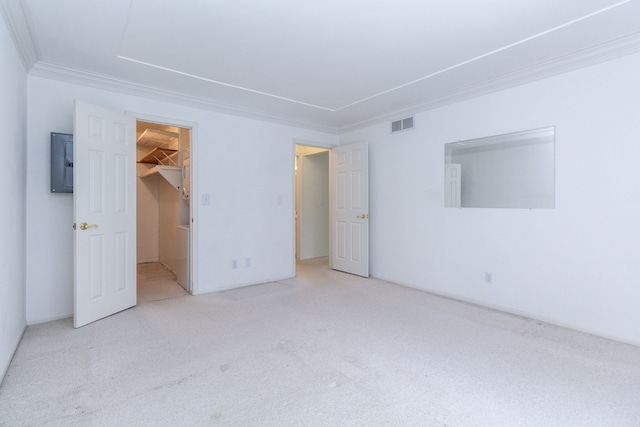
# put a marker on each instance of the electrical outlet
(488, 277)
(247, 262)
(234, 264)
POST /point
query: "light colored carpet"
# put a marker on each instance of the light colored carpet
(156, 282)
(325, 348)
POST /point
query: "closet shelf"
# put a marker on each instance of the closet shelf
(173, 174)
(159, 156)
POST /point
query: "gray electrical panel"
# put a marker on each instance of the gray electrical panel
(61, 162)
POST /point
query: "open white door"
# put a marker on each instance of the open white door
(104, 209)
(350, 209)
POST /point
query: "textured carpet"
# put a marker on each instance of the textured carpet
(325, 348)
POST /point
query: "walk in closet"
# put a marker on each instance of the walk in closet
(163, 208)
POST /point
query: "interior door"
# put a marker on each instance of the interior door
(104, 209)
(350, 209)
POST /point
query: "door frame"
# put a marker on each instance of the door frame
(193, 206)
(314, 144)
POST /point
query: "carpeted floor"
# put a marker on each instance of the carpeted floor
(325, 348)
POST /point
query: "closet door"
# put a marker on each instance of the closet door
(104, 205)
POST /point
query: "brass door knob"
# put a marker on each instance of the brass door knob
(363, 216)
(85, 226)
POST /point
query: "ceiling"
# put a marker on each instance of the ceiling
(327, 64)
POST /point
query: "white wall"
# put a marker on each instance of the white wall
(314, 206)
(146, 214)
(168, 221)
(13, 122)
(246, 167)
(158, 217)
(575, 265)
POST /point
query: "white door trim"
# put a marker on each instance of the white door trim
(307, 143)
(193, 200)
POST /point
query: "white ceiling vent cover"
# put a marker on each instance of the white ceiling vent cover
(403, 124)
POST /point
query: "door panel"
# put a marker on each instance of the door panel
(350, 209)
(95, 255)
(104, 212)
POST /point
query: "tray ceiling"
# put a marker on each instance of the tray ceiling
(325, 64)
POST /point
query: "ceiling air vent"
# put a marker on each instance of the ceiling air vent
(403, 124)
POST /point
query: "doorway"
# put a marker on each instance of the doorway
(163, 155)
(311, 202)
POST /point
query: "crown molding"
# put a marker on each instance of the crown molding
(109, 83)
(20, 29)
(604, 52)
(579, 59)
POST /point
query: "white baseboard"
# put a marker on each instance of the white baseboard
(517, 312)
(49, 319)
(242, 285)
